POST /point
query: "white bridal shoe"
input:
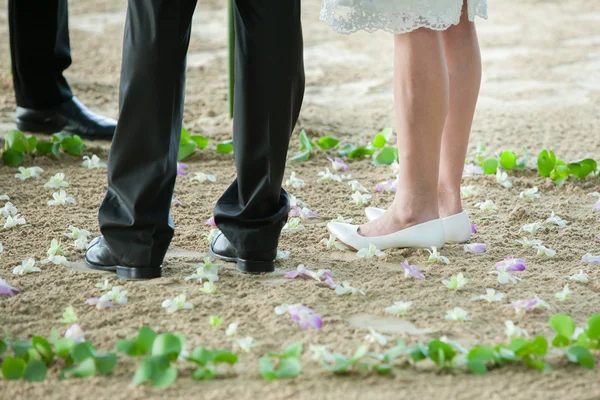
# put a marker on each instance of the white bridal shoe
(457, 227)
(421, 236)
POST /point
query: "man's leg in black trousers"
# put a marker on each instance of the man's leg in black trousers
(40, 52)
(134, 216)
(268, 95)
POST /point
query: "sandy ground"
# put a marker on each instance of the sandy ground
(541, 89)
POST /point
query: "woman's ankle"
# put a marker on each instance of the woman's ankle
(449, 203)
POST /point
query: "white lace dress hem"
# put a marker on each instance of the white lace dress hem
(397, 16)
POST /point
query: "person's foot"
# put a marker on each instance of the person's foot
(99, 256)
(222, 249)
(393, 221)
(71, 116)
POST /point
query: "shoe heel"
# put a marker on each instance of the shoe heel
(32, 127)
(133, 273)
(255, 267)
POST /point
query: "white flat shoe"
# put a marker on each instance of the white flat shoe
(421, 236)
(457, 227)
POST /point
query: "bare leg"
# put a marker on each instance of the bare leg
(421, 104)
(464, 68)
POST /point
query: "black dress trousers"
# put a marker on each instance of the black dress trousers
(134, 216)
(40, 52)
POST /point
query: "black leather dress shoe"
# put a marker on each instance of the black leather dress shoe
(258, 263)
(98, 256)
(71, 116)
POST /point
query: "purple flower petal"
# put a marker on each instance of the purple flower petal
(6, 289)
(291, 275)
(526, 304)
(305, 317)
(511, 264)
(338, 164)
(294, 212)
(412, 270)
(315, 320)
(472, 169)
(329, 282)
(181, 169)
(596, 206)
(92, 301)
(211, 222)
(386, 186)
(473, 228)
(476, 248)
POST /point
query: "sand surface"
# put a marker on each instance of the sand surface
(541, 88)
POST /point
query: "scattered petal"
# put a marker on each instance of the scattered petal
(376, 337)
(211, 222)
(100, 302)
(104, 285)
(457, 314)
(564, 294)
(12, 222)
(556, 220)
(27, 173)
(532, 228)
(69, 316)
(76, 333)
(27, 267)
(57, 182)
(467, 191)
(61, 199)
(487, 206)
(212, 234)
(6, 289)
(93, 162)
(580, 277)
(473, 229)
(529, 243)
(333, 243)
(472, 170)
(294, 181)
(346, 289)
(490, 296)
(530, 194)
(361, 199)
(208, 288)
(205, 271)
(181, 169)
(512, 331)
(411, 270)
(178, 303)
(435, 257)
(293, 225)
(8, 209)
(399, 308)
(338, 164)
(304, 316)
(387, 186)
(328, 176)
(502, 179)
(476, 248)
(589, 258)
(282, 255)
(544, 252)
(370, 252)
(342, 220)
(456, 282)
(201, 177)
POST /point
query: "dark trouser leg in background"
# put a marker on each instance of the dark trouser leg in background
(134, 216)
(269, 87)
(40, 52)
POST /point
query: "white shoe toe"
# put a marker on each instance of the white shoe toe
(457, 227)
(419, 236)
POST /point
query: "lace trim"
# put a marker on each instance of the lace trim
(349, 16)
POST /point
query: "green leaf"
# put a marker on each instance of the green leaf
(43, 348)
(106, 363)
(561, 341)
(581, 355)
(266, 368)
(508, 159)
(490, 165)
(201, 141)
(360, 152)
(583, 168)
(215, 320)
(201, 356)
(168, 345)
(305, 143)
(562, 324)
(476, 367)
(440, 352)
(17, 141)
(593, 330)
(559, 174)
(142, 345)
(345, 150)
(386, 156)
(482, 353)
(31, 144)
(3, 346)
(539, 346)
(288, 368)
(417, 354)
(73, 145)
(186, 150)
(12, 158)
(86, 369)
(144, 372)
(83, 351)
(21, 347)
(293, 350)
(202, 374)
(44, 147)
(56, 150)
(35, 371)
(327, 142)
(383, 369)
(546, 162)
(224, 357)
(382, 138)
(302, 156)
(522, 161)
(360, 352)
(59, 137)
(225, 147)
(13, 368)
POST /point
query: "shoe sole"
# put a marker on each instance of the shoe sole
(32, 127)
(246, 266)
(129, 273)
